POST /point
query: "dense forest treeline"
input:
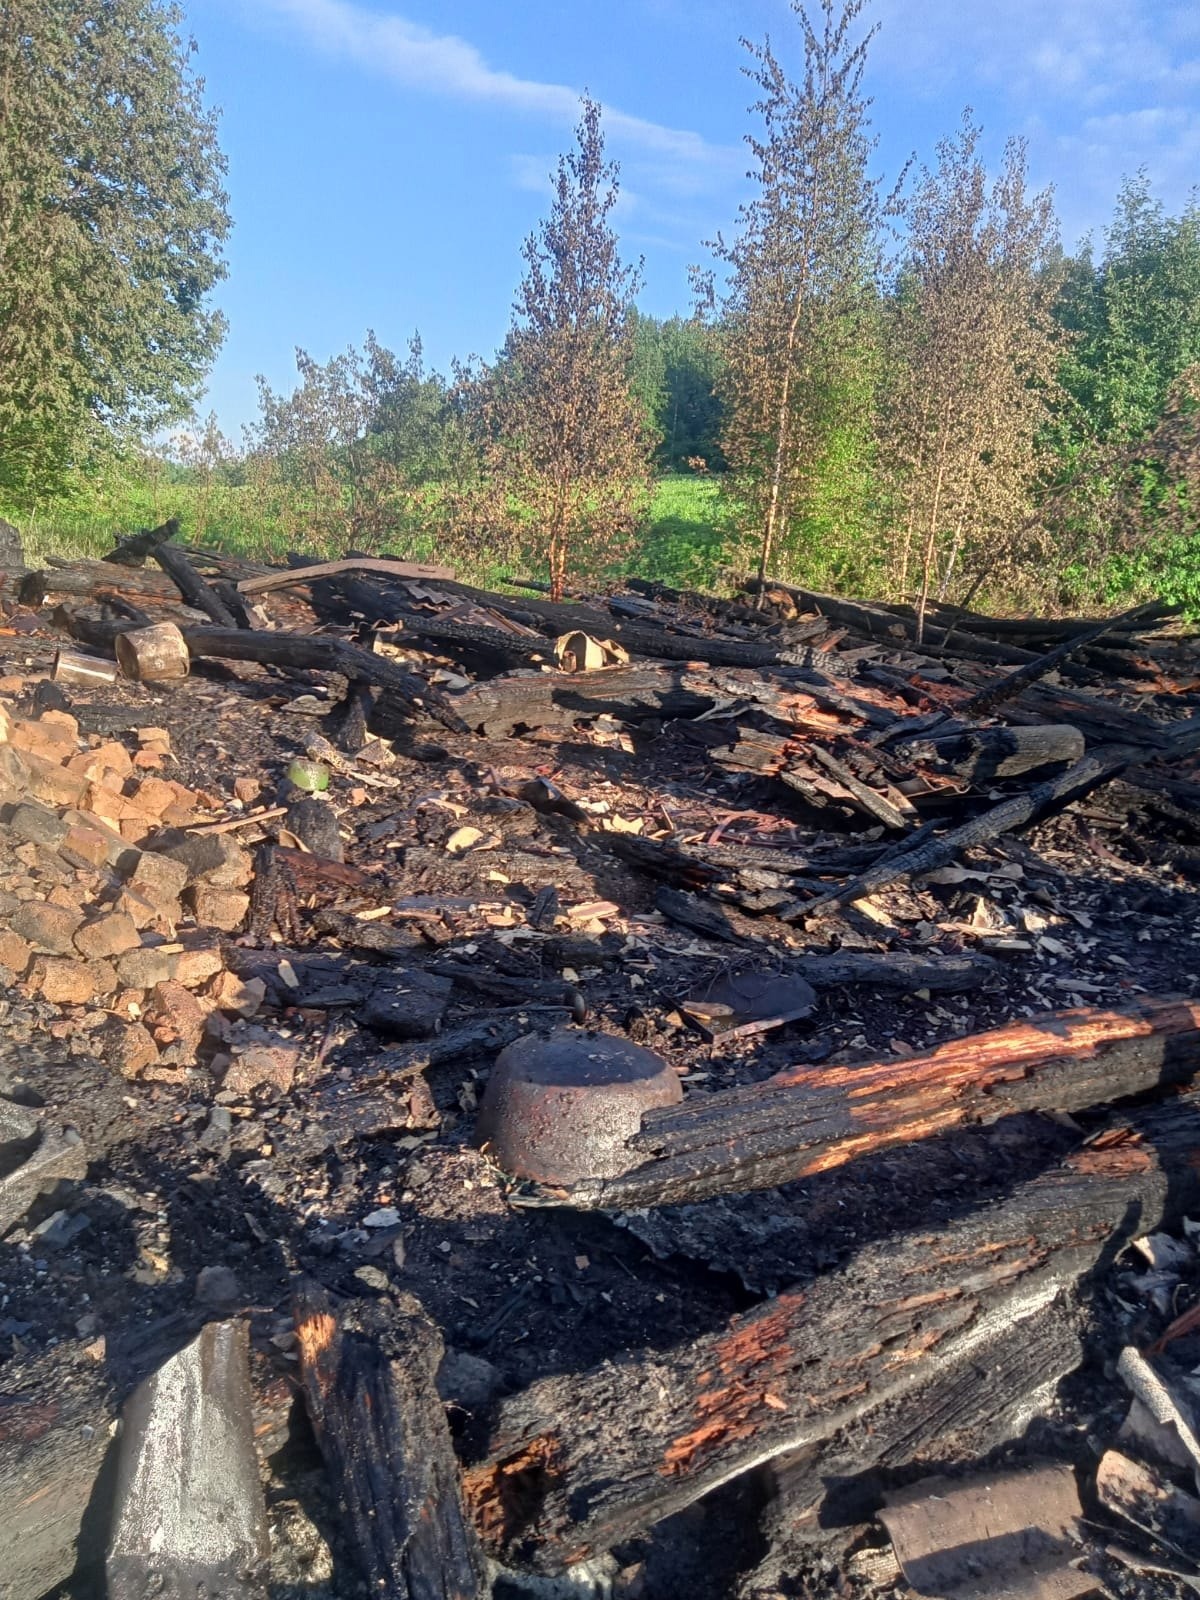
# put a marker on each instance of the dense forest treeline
(913, 393)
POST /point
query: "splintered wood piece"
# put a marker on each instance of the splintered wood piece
(368, 1381)
(563, 1474)
(132, 552)
(810, 1119)
(57, 1413)
(329, 569)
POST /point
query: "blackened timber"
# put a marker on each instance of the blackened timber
(368, 1378)
(195, 590)
(811, 1119)
(132, 552)
(1014, 682)
(310, 652)
(563, 1474)
(985, 754)
(94, 580)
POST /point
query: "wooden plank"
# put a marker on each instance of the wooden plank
(328, 569)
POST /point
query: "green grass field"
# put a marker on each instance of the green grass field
(680, 544)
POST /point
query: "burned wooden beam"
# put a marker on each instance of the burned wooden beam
(94, 580)
(987, 754)
(198, 593)
(564, 1475)
(810, 1119)
(309, 652)
(369, 1384)
(56, 1416)
(1012, 683)
(132, 551)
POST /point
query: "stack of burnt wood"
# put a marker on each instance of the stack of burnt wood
(892, 758)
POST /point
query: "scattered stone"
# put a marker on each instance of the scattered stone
(15, 953)
(175, 1016)
(247, 790)
(37, 824)
(158, 878)
(237, 997)
(214, 859)
(63, 983)
(107, 936)
(40, 779)
(143, 968)
(142, 913)
(47, 927)
(468, 1381)
(200, 959)
(407, 1004)
(85, 847)
(56, 1231)
(372, 1278)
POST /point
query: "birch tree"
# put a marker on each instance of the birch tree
(570, 449)
(801, 275)
(974, 352)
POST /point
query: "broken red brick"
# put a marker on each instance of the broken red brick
(274, 1064)
(212, 907)
(47, 927)
(237, 997)
(128, 1047)
(109, 935)
(63, 983)
(15, 953)
(175, 1016)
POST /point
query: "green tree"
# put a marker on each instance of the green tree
(796, 313)
(1135, 315)
(675, 373)
(569, 447)
(974, 352)
(112, 218)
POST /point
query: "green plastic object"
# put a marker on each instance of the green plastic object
(311, 776)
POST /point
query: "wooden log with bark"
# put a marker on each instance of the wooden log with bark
(368, 1377)
(309, 652)
(886, 1336)
(810, 1119)
(95, 580)
(986, 754)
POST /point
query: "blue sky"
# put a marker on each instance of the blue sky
(386, 158)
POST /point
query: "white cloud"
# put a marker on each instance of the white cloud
(443, 63)
(1100, 87)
